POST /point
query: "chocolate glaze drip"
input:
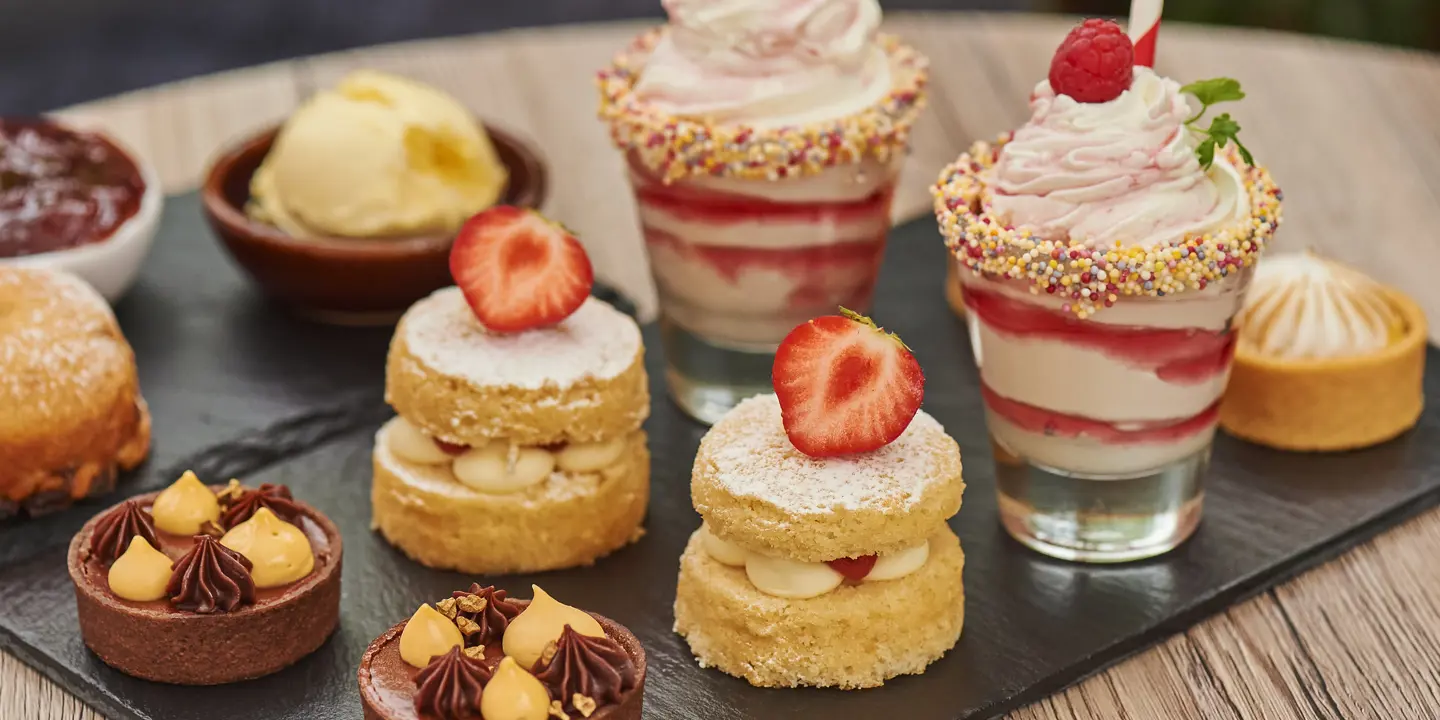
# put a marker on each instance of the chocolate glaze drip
(241, 506)
(592, 667)
(113, 533)
(211, 578)
(493, 618)
(449, 687)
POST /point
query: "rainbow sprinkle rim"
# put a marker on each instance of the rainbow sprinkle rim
(1095, 278)
(676, 147)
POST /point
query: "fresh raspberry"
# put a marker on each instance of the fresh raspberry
(1094, 64)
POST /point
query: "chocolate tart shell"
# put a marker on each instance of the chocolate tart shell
(172, 646)
(629, 708)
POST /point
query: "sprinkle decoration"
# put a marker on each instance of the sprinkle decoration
(677, 147)
(1090, 278)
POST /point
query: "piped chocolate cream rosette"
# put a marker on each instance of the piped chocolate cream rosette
(520, 398)
(824, 558)
(479, 654)
(199, 585)
(1328, 359)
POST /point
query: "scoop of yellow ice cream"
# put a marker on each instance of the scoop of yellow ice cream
(379, 155)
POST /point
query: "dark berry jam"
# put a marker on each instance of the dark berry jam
(61, 189)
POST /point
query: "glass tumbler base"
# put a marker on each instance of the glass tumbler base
(707, 380)
(1097, 519)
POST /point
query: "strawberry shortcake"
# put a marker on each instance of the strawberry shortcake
(824, 558)
(517, 445)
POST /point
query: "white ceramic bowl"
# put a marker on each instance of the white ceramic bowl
(111, 265)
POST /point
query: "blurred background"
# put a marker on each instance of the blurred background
(58, 52)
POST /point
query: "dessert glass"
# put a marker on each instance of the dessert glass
(1101, 370)
(751, 231)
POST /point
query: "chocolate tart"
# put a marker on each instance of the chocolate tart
(387, 683)
(154, 641)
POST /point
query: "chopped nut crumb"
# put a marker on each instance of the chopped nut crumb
(584, 703)
(232, 492)
(476, 652)
(557, 711)
(470, 603)
(446, 608)
(210, 528)
(548, 653)
(466, 625)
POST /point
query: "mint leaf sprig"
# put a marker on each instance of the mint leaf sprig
(1223, 128)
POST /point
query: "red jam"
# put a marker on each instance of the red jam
(61, 189)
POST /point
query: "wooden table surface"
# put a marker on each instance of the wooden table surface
(1348, 130)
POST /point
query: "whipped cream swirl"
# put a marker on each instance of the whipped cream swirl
(767, 63)
(1303, 306)
(1122, 171)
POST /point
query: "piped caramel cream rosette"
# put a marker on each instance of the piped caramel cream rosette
(1327, 358)
(824, 558)
(514, 450)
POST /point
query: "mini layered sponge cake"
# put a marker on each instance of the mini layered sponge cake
(832, 566)
(516, 449)
(1328, 359)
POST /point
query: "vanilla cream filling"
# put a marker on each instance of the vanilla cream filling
(798, 580)
(502, 467)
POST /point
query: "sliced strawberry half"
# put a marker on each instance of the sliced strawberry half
(451, 448)
(854, 569)
(845, 386)
(519, 270)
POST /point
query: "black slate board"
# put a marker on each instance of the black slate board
(238, 387)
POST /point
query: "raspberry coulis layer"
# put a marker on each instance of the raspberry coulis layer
(1181, 356)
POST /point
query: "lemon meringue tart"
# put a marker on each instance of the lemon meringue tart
(1326, 358)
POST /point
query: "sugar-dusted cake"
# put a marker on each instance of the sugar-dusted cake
(517, 445)
(71, 414)
(824, 558)
(479, 655)
(204, 585)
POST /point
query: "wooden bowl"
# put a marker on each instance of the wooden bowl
(343, 280)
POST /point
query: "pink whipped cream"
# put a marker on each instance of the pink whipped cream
(1123, 171)
(767, 63)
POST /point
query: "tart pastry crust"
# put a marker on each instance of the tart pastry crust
(1330, 404)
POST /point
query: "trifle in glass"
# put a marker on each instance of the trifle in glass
(763, 141)
(1102, 264)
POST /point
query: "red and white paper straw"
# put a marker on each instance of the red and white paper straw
(1144, 26)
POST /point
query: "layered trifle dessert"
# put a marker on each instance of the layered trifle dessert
(763, 142)
(1105, 248)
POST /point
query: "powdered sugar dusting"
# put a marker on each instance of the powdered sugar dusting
(597, 341)
(56, 334)
(754, 458)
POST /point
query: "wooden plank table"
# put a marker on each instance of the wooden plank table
(1348, 130)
